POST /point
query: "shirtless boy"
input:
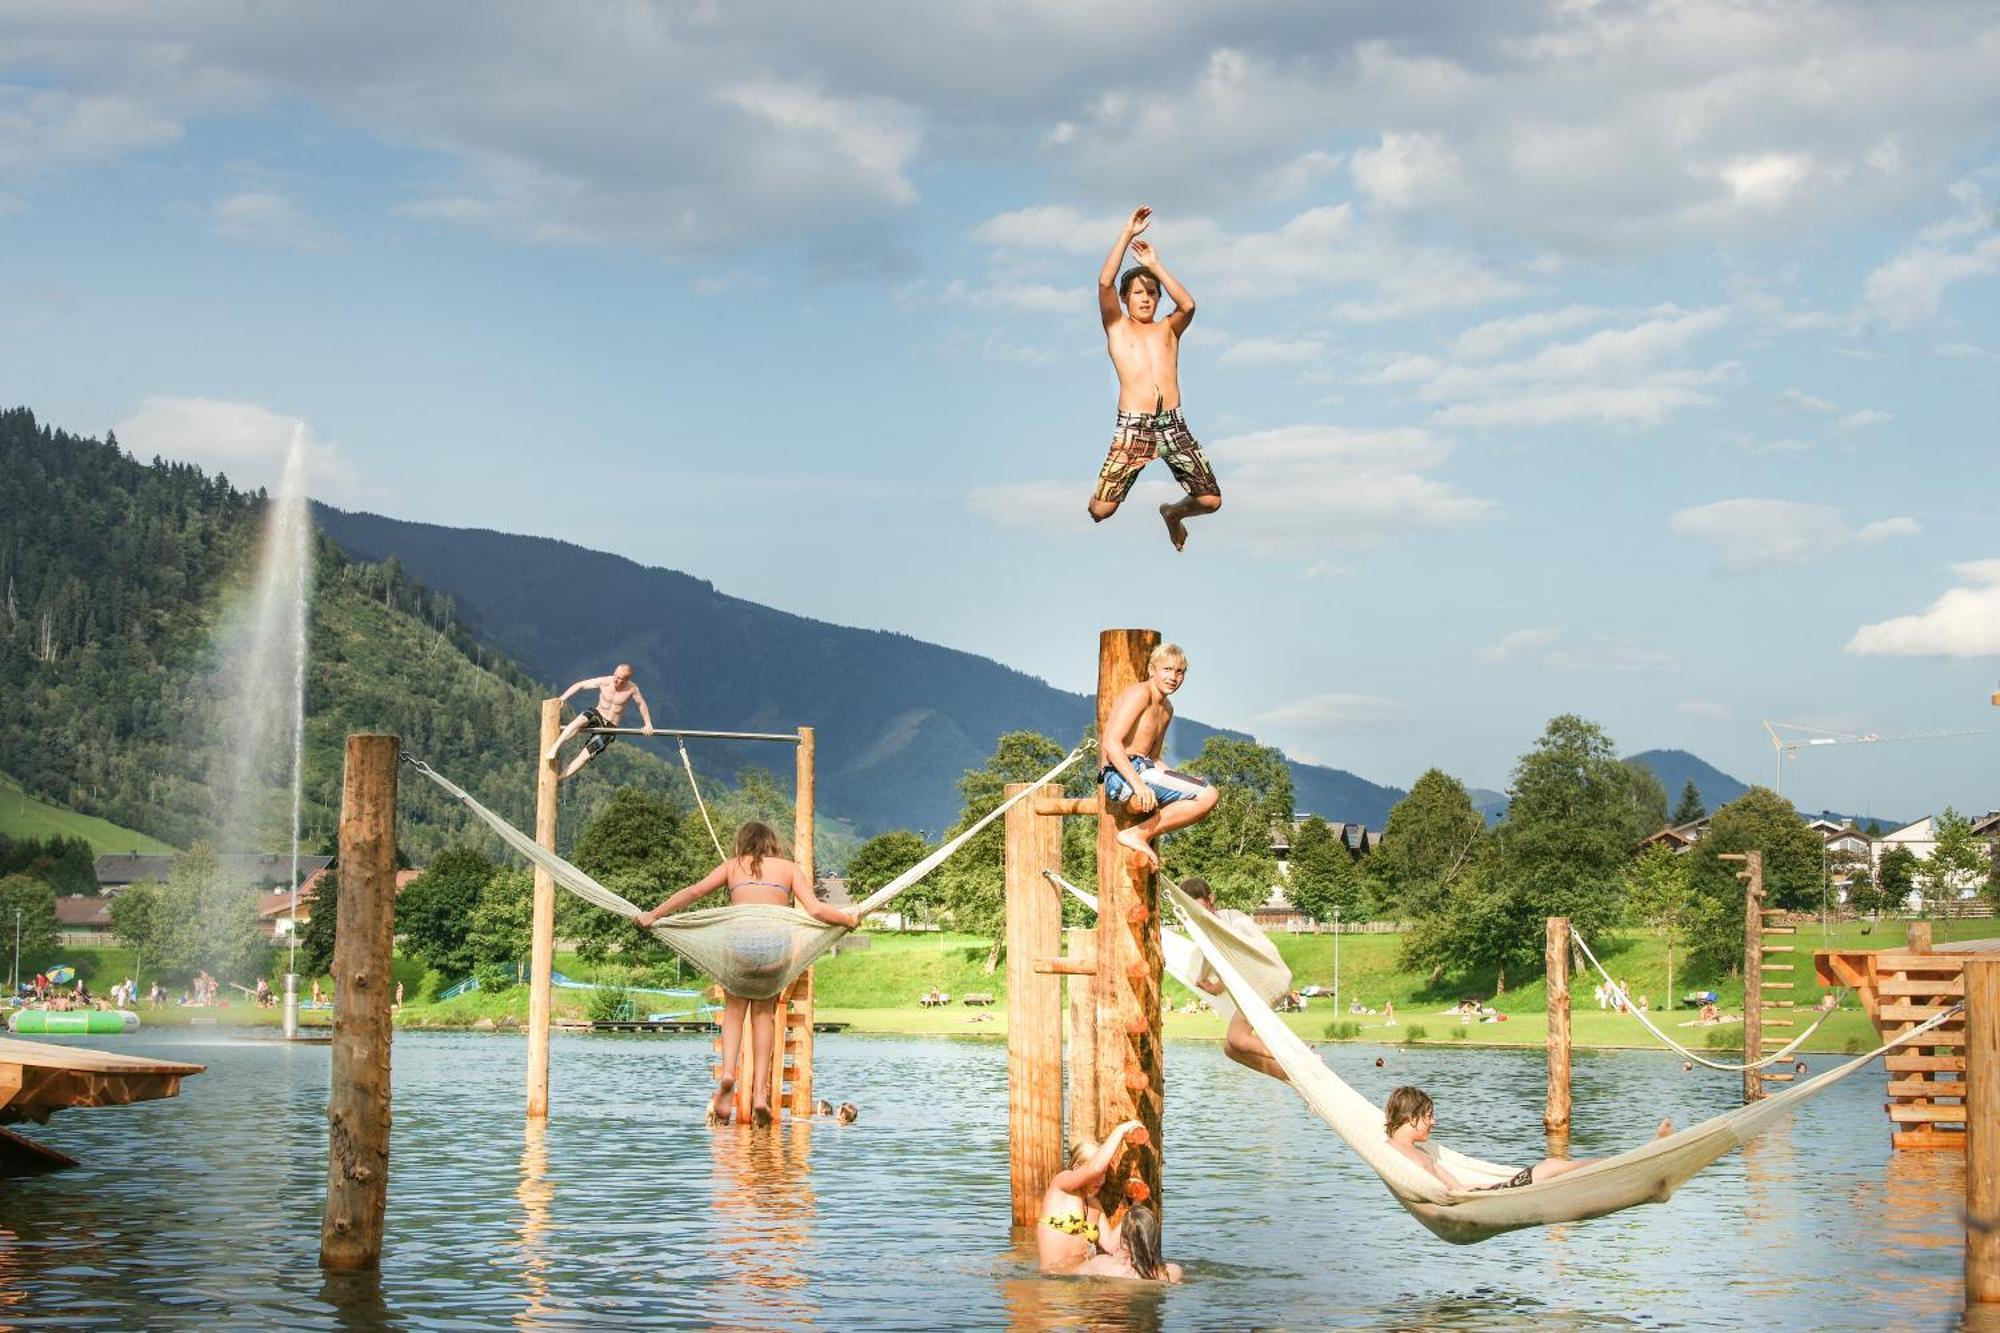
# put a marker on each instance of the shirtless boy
(1410, 1117)
(613, 693)
(1135, 735)
(1146, 352)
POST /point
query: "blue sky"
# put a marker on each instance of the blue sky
(1636, 360)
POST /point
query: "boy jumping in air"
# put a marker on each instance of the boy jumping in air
(1146, 353)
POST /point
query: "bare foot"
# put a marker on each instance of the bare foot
(1130, 839)
(1176, 530)
(550, 754)
(1666, 1128)
(721, 1107)
(760, 1116)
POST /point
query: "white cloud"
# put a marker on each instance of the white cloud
(1407, 170)
(1483, 342)
(1964, 352)
(1706, 709)
(243, 440)
(41, 128)
(1800, 401)
(1888, 529)
(1611, 654)
(270, 218)
(1271, 352)
(1515, 643)
(1336, 712)
(1750, 534)
(1910, 289)
(1863, 419)
(1964, 622)
(1757, 534)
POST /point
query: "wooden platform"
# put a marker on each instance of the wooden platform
(38, 1078)
(1900, 988)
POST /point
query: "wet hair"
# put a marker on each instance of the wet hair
(848, 1113)
(823, 1107)
(755, 841)
(1195, 887)
(1407, 1105)
(1132, 275)
(1084, 1150)
(1141, 1230)
(1166, 652)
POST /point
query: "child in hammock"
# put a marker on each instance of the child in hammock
(1241, 1043)
(758, 873)
(1412, 1116)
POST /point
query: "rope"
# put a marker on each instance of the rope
(1699, 1059)
(700, 804)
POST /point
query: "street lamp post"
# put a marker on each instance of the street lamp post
(1336, 964)
(15, 985)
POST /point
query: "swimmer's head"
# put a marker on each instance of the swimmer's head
(848, 1113)
(1141, 1232)
(823, 1107)
(1139, 289)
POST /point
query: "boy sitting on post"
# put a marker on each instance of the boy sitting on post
(1135, 735)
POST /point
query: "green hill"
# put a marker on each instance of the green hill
(22, 816)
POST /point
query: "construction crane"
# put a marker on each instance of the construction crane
(1788, 747)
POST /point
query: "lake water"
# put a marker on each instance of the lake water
(204, 1211)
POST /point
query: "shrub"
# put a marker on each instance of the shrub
(1414, 1032)
(607, 1003)
(1458, 1034)
(1343, 1030)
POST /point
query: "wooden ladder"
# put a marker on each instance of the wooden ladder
(1773, 1013)
(791, 1056)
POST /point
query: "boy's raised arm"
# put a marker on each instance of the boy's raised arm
(1107, 277)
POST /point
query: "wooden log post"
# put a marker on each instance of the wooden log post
(1752, 874)
(795, 1012)
(357, 1168)
(1130, 1068)
(1919, 937)
(1082, 1062)
(1034, 1004)
(1982, 1130)
(1555, 960)
(542, 949)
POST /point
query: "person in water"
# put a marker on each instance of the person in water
(1138, 1252)
(1411, 1116)
(1241, 1043)
(614, 692)
(1145, 350)
(1135, 735)
(1072, 1224)
(757, 873)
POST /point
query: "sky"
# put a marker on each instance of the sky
(1636, 360)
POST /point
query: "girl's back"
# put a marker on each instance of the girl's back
(770, 884)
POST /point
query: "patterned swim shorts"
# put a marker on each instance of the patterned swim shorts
(1139, 438)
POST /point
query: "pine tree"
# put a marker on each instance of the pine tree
(1690, 808)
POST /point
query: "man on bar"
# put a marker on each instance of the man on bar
(613, 693)
(1135, 736)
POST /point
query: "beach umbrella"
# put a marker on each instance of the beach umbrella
(58, 975)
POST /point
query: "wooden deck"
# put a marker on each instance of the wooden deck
(1900, 988)
(38, 1078)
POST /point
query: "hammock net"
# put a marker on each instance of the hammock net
(751, 950)
(1646, 1174)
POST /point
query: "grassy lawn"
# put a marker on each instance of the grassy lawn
(23, 816)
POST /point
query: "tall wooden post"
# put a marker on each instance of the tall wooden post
(1982, 1130)
(794, 1036)
(1555, 960)
(1034, 1004)
(1130, 1068)
(1752, 874)
(1082, 1061)
(542, 951)
(357, 1168)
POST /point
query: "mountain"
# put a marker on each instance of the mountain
(1675, 768)
(897, 721)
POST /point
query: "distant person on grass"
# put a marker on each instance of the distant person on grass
(613, 693)
(1135, 736)
(1145, 350)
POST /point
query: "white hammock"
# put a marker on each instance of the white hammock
(1183, 960)
(753, 950)
(1646, 1174)
(1785, 1053)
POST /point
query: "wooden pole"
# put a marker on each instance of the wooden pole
(1555, 961)
(1982, 1130)
(1034, 1004)
(1752, 874)
(1919, 937)
(542, 952)
(357, 1168)
(1082, 1062)
(1130, 1071)
(795, 1011)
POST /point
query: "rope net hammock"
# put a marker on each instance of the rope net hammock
(752, 950)
(1646, 1174)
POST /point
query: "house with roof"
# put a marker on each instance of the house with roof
(1679, 837)
(259, 869)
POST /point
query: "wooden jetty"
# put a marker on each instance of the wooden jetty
(676, 1025)
(1900, 988)
(37, 1079)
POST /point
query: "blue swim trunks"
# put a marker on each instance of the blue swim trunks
(1168, 784)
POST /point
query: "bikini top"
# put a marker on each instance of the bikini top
(759, 883)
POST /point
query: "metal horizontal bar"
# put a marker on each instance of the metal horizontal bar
(791, 736)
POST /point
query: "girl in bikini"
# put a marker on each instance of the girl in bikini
(757, 873)
(1072, 1225)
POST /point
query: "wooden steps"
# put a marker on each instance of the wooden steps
(1899, 988)
(791, 1078)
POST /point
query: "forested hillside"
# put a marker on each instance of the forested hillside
(114, 573)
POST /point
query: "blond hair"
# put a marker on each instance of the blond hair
(1165, 652)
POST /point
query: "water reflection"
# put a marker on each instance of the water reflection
(536, 1193)
(761, 1226)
